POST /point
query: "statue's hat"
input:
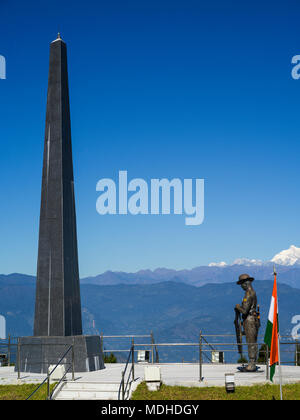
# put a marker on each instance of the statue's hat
(243, 278)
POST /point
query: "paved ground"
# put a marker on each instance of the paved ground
(184, 374)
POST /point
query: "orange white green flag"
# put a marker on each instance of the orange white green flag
(272, 330)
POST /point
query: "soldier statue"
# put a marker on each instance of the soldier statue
(251, 320)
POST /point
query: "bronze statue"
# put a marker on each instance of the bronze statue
(251, 322)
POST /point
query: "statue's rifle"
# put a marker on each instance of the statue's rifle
(238, 331)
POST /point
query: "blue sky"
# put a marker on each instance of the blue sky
(185, 89)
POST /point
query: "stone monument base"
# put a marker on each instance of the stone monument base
(38, 353)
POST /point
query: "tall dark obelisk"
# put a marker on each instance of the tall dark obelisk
(58, 309)
(57, 320)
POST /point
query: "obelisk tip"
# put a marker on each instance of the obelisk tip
(58, 38)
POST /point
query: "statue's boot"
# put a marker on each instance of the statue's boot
(251, 367)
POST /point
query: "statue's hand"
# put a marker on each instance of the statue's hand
(237, 307)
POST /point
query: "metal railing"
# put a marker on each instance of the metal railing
(286, 342)
(202, 352)
(207, 344)
(7, 347)
(124, 384)
(21, 346)
(48, 377)
(154, 350)
(198, 345)
(123, 389)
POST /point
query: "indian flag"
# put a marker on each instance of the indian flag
(271, 335)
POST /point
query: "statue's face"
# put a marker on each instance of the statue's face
(244, 285)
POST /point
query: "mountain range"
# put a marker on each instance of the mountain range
(287, 264)
(175, 304)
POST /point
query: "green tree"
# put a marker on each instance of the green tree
(242, 359)
(297, 355)
(111, 358)
(262, 354)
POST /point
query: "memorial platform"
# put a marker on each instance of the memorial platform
(182, 374)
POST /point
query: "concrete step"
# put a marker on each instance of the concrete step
(86, 395)
(88, 391)
(92, 386)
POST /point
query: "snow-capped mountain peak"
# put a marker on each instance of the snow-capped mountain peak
(247, 262)
(220, 264)
(287, 257)
(238, 261)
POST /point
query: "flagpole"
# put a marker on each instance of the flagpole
(279, 363)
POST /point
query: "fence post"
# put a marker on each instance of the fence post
(132, 356)
(8, 351)
(48, 385)
(123, 385)
(267, 362)
(73, 362)
(152, 348)
(296, 353)
(200, 357)
(19, 359)
(101, 342)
